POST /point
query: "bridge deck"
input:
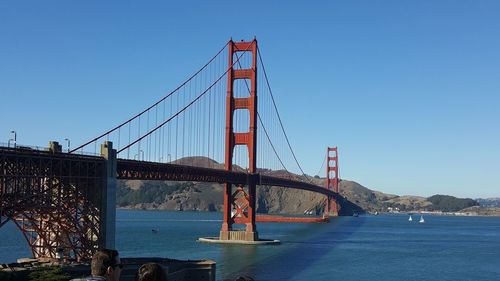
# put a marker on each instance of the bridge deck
(143, 170)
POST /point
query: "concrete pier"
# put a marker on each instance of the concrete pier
(109, 196)
(217, 240)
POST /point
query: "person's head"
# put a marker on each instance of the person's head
(151, 272)
(106, 263)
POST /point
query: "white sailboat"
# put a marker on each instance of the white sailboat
(421, 219)
(410, 219)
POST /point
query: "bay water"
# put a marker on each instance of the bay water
(384, 247)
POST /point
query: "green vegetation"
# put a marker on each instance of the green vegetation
(151, 192)
(448, 203)
(48, 273)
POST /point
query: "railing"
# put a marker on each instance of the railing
(22, 146)
(26, 149)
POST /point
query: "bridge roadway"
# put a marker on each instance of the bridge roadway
(143, 170)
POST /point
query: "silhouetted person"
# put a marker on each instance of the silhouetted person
(105, 266)
(151, 272)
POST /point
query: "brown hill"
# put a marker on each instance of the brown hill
(277, 200)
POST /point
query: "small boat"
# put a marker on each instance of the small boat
(355, 214)
(410, 219)
(421, 219)
(155, 230)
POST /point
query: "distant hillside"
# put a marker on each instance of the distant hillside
(448, 203)
(482, 211)
(166, 195)
(196, 196)
(375, 201)
(135, 192)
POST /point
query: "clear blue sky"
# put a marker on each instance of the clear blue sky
(408, 90)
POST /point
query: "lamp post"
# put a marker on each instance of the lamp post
(68, 142)
(169, 158)
(15, 138)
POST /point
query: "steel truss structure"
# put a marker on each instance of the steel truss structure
(55, 199)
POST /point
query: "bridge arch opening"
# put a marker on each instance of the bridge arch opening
(244, 60)
(15, 236)
(240, 158)
(241, 121)
(241, 88)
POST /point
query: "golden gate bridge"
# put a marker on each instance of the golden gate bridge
(221, 125)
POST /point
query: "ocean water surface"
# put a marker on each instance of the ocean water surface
(384, 247)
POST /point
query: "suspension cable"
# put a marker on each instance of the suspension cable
(277, 112)
(322, 165)
(272, 145)
(184, 108)
(147, 109)
(264, 128)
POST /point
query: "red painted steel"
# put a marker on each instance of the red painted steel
(144, 170)
(239, 207)
(332, 179)
(55, 199)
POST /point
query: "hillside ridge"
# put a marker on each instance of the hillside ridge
(200, 196)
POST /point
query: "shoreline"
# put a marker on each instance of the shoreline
(440, 213)
(494, 212)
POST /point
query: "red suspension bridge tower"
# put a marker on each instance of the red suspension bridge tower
(332, 179)
(239, 205)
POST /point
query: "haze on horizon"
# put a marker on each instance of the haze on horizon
(408, 90)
